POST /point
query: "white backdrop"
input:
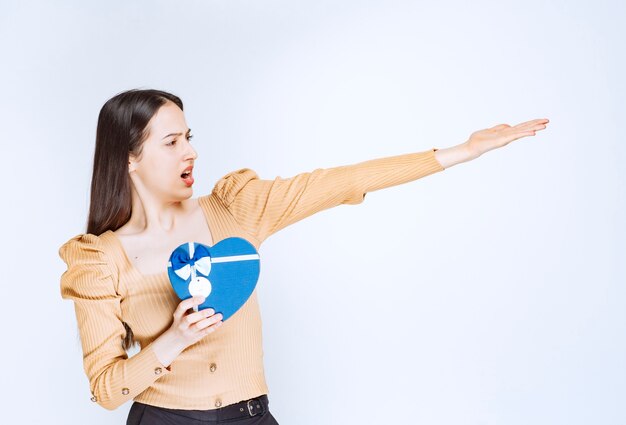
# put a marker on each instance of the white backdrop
(490, 293)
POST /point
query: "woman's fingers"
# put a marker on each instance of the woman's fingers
(190, 327)
(528, 131)
(531, 129)
(536, 121)
(216, 318)
(192, 318)
(199, 320)
(210, 329)
(524, 131)
(532, 124)
(187, 304)
(525, 126)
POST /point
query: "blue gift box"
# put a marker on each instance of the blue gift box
(225, 273)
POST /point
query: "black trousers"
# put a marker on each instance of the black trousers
(249, 412)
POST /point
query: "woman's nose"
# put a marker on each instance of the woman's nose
(191, 152)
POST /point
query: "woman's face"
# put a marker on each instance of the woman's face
(164, 167)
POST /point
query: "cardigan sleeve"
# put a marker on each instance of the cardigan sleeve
(263, 207)
(91, 281)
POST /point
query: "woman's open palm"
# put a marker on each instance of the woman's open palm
(500, 135)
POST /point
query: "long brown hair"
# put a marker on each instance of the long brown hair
(122, 129)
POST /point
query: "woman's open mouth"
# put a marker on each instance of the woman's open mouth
(187, 177)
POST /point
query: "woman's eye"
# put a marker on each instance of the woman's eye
(173, 142)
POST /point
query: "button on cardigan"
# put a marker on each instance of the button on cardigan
(226, 366)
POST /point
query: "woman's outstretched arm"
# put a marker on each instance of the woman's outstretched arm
(263, 207)
(487, 139)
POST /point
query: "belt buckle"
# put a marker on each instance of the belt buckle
(251, 407)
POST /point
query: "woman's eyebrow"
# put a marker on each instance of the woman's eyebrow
(177, 134)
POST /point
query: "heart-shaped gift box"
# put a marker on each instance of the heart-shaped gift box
(225, 273)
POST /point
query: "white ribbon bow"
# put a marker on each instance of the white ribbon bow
(202, 265)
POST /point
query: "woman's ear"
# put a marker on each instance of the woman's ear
(131, 164)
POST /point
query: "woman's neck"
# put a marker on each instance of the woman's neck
(153, 215)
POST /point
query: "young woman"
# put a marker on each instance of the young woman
(192, 366)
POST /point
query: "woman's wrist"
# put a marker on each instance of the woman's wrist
(448, 157)
(166, 348)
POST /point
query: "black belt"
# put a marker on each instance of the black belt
(243, 409)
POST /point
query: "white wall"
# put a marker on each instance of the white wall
(490, 293)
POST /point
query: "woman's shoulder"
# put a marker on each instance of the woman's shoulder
(90, 269)
(80, 242)
(85, 248)
(227, 187)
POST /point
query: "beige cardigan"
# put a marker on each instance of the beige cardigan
(227, 365)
